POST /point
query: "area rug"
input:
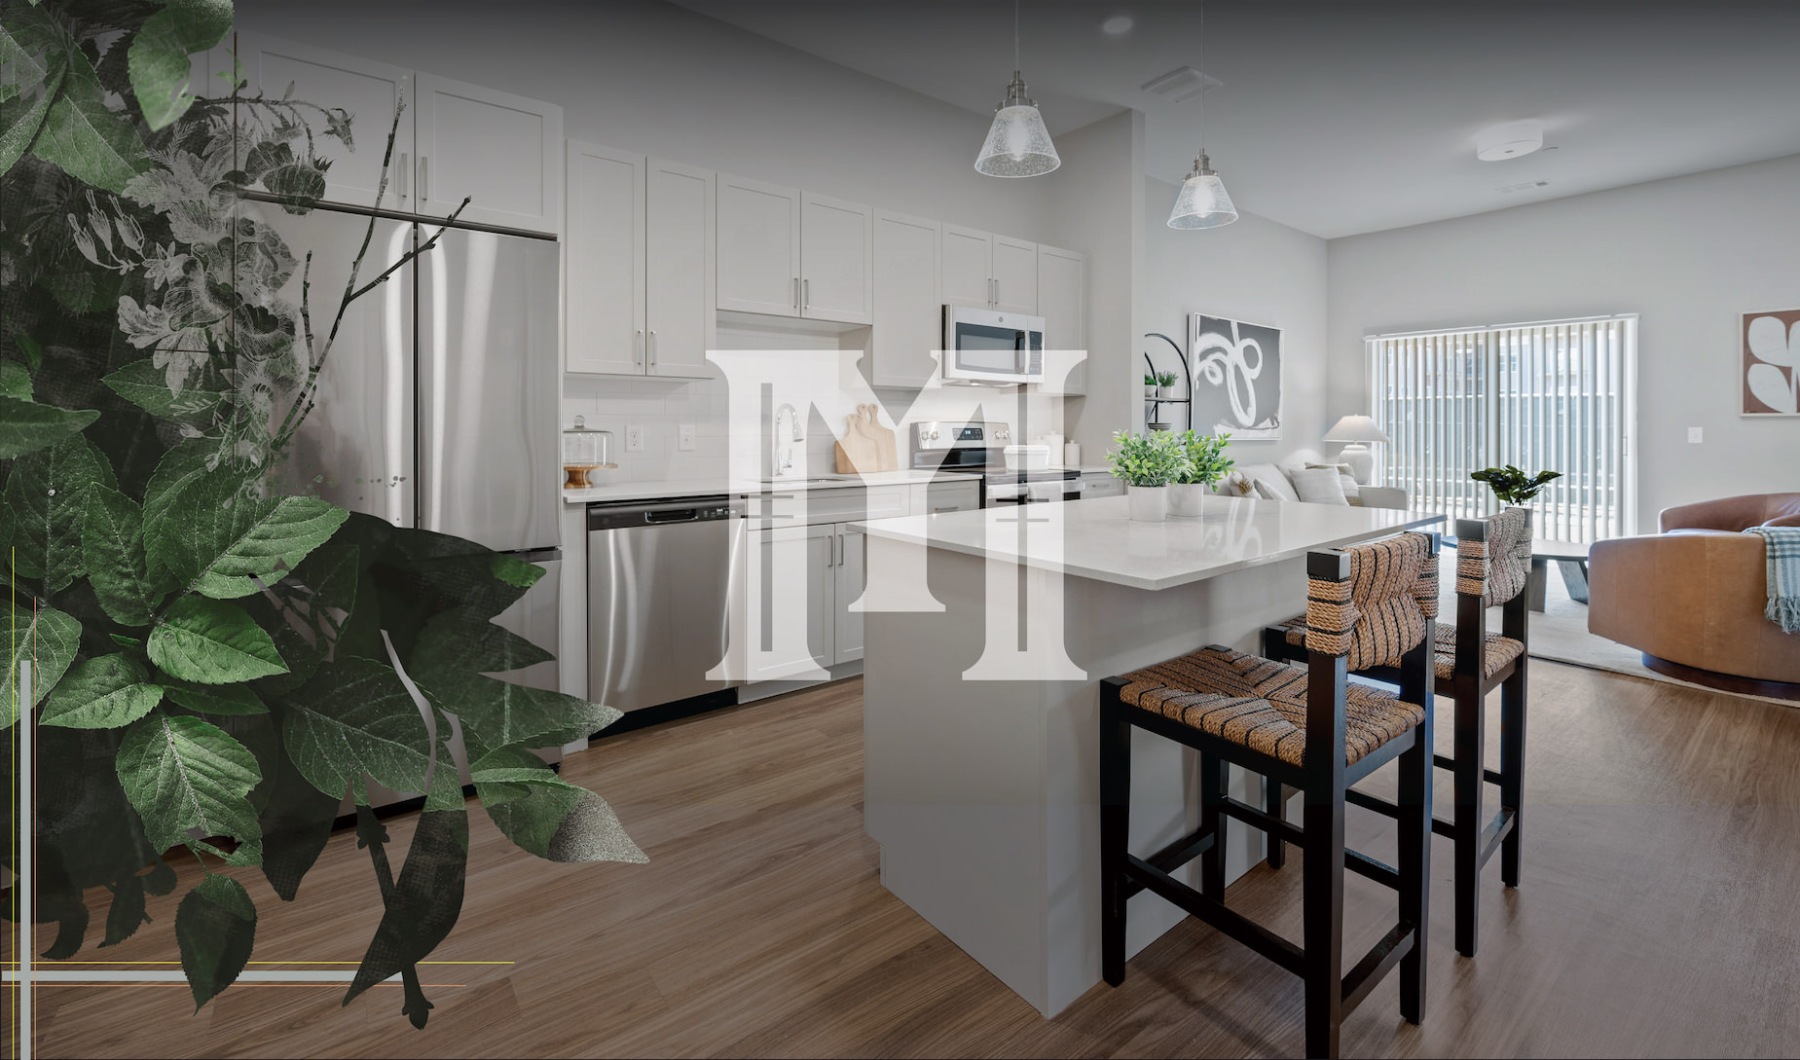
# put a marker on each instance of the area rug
(1559, 633)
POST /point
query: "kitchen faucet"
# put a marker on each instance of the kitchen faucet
(781, 462)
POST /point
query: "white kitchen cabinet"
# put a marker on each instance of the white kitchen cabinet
(638, 295)
(938, 498)
(603, 277)
(758, 247)
(369, 91)
(908, 315)
(968, 261)
(1015, 271)
(498, 150)
(836, 281)
(679, 318)
(849, 576)
(1062, 301)
(794, 602)
(1101, 484)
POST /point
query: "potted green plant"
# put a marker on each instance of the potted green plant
(1165, 385)
(1512, 486)
(1203, 464)
(1147, 463)
(1149, 384)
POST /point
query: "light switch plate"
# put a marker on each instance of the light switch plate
(634, 438)
(684, 437)
(1696, 435)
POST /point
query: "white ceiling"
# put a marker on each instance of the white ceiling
(1345, 117)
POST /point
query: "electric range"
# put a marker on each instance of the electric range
(979, 449)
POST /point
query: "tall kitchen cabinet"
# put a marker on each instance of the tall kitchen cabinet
(987, 271)
(908, 314)
(454, 140)
(787, 252)
(638, 273)
(1062, 301)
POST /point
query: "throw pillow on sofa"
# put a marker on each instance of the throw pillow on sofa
(1352, 492)
(1320, 485)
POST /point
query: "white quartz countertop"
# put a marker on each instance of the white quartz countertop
(1095, 538)
(635, 491)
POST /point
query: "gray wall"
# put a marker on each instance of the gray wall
(1688, 255)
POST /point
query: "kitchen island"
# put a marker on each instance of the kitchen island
(981, 723)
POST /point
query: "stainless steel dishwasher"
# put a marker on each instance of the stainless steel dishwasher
(660, 577)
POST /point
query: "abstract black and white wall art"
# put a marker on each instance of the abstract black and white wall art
(1237, 377)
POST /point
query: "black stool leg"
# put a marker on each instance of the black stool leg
(1322, 871)
(1275, 795)
(1115, 827)
(1415, 867)
(1212, 822)
(1512, 770)
(1466, 828)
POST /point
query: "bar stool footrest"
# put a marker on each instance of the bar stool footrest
(1226, 921)
(1380, 960)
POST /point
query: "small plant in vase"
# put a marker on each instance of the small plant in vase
(1203, 464)
(1149, 384)
(1147, 463)
(1512, 486)
(1165, 385)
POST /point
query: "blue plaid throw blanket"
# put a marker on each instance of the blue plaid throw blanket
(1782, 544)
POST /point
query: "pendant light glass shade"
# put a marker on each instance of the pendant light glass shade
(1203, 201)
(1018, 144)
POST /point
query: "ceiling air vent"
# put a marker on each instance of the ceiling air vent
(1181, 84)
(1526, 185)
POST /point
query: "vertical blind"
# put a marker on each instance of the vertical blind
(1555, 395)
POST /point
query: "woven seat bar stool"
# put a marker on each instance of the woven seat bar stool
(1493, 565)
(1308, 727)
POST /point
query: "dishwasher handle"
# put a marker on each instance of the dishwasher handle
(669, 513)
(672, 515)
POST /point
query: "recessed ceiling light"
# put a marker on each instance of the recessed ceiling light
(1116, 25)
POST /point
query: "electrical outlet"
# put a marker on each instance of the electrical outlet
(1696, 435)
(634, 438)
(684, 437)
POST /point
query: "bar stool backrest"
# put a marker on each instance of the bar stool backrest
(1496, 563)
(1379, 613)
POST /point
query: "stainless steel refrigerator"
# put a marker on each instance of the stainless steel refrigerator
(438, 402)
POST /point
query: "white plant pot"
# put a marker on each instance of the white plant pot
(1186, 499)
(1149, 504)
(1149, 390)
(1165, 392)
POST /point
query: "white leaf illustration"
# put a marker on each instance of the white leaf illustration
(1772, 343)
(1772, 386)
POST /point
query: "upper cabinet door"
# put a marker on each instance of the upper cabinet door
(968, 267)
(679, 264)
(603, 301)
(835, 277)
(500, 151)
(369, 91)
(1062, 301)
(1015, 275)
(758, 247)
(908, 315)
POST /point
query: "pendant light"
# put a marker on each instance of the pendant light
(1017, 143)
(1203, 201)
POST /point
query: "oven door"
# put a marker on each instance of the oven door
(999, 495)
(981, 346)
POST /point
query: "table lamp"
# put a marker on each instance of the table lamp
(1358, 431)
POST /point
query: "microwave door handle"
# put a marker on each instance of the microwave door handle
(1019, 355)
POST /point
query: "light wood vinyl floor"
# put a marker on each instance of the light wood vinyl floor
(1659, 916)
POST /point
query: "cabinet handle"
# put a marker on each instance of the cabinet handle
(796, 294)
(653, 349)
(401, 173)
(945, 508)
(424, 178)
(637, 347)
(806, 294)
(831, 552)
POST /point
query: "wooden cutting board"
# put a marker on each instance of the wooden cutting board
(867, 446)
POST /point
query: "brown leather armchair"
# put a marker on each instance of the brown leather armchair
(1694, 594)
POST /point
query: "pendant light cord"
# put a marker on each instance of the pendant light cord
(1204, 74)
(1015, 35)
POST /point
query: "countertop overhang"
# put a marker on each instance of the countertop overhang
(1096, 539)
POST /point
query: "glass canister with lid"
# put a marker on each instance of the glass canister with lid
(585, 450)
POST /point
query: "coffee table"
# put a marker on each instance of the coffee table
(1570, 556)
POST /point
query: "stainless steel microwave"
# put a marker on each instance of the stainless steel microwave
(986, 347)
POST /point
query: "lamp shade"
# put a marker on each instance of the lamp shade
(1018, 144)
(1355, 429)
(1203, 201)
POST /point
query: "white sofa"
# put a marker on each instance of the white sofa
(1276, 482)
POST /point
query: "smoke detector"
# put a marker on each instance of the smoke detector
(1181, 84)
(1513, 139)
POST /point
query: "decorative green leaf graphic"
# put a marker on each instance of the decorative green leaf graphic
(498, 714)
(15, 381)
(145, 385)
(296, 824)
(160, 55)
(461, 639)
(421, 909)
(51, 639)
(183, 774)
(545, 814)
(126, 914)
(112, 546)
(251, 542)
(19, 125)
(165, 532)
(355, 720)
(27, 427)
(216, 929)
(87, 139)
(104, 693)
(45, 504)
(229, 700)
(212, 643)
